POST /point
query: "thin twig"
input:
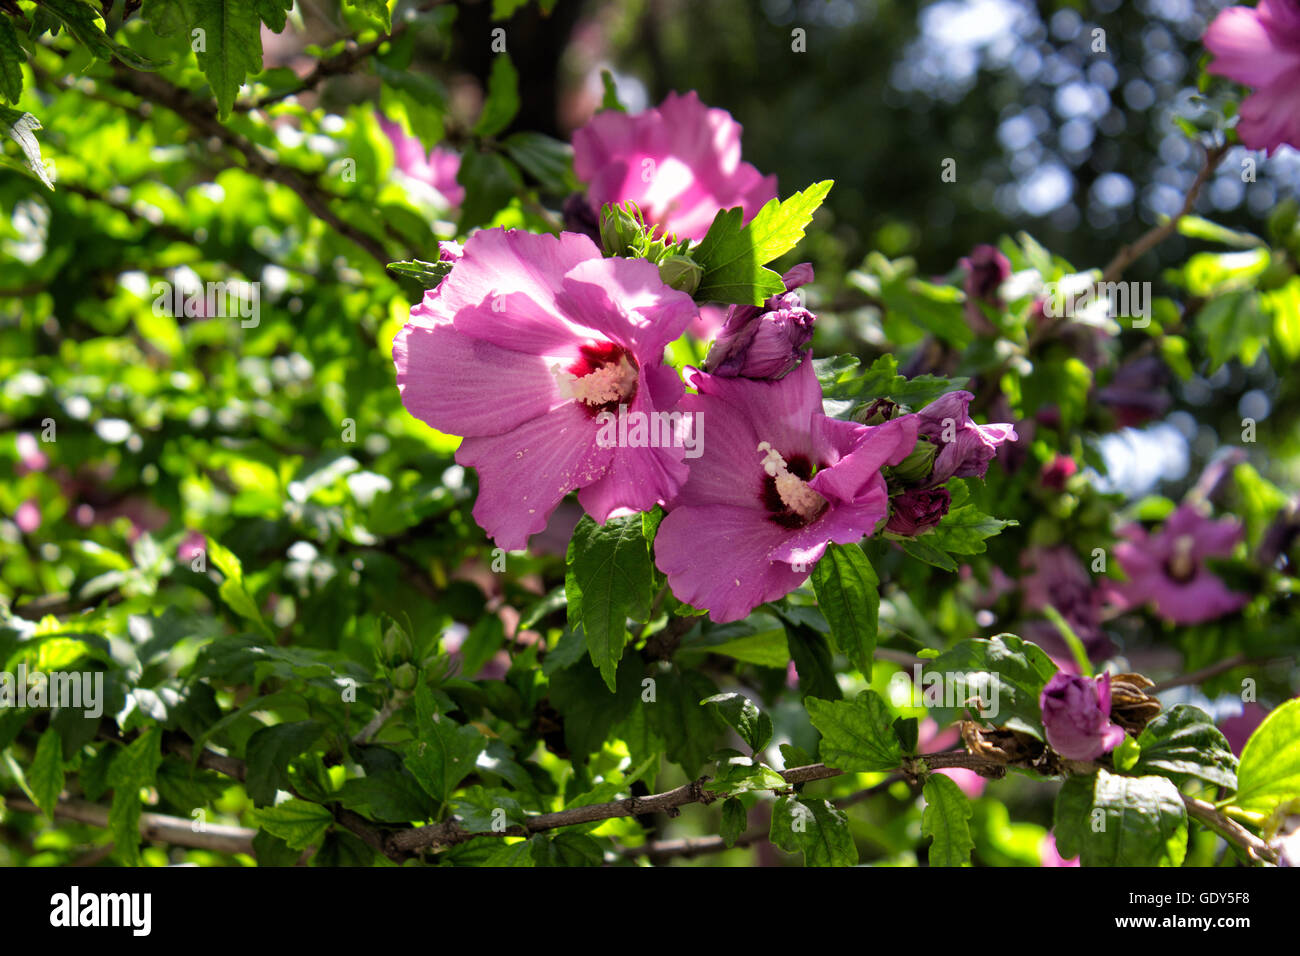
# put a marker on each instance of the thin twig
(1129, 254)
(154, 827)
(1230, 830)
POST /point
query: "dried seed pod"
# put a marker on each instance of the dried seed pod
(1130, 705)
(1004, 746)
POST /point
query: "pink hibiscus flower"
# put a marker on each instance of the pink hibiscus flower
(777, 482)
(437, 168)
(1261, 48)
(1168, 568)
(680, 163)
(520, 349)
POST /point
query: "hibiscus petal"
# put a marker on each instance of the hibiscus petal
(718, 557)
(523, 474)
(465, 386)
(625, 300)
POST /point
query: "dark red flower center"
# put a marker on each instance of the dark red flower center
(789, 501)
(604, 376)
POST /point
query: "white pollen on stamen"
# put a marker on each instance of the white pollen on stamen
(1181, 562)
(794, 492)
(609, 383)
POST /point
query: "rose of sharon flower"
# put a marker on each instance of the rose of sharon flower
(777, 481)
(965, 448)
(918, 510)
(1261, 48)
(1076, 716)
(520, 349)
(768, 340)
(437, 168)
(1058, 578)
(680, 163)
(1168, 568)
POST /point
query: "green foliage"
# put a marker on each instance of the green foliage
(856, 734)
(1112, 820)
(814, 828)
(947, 820)
(846, 588)
(734, 256)
(1182, 743)
(235, 524)
(608, 580)
(1270, 763)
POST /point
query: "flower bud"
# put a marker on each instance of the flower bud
(404, 677)
(767, 341)
(681, 273)
(620, 232)
(917, 511)
(397, 645)
(877, 412)
(918, 465)
(1076, 716)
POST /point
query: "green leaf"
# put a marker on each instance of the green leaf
(1183, 742)
(609, 101)
(934, 308)
(505, 9)
(857, 735)
(12, 58)
(135, 767)
(848, 593)
(298, 823)
(1234, 327)
(274, 12)
(268, 754)
(766, 649)
(843, 382)
(580, 694)
(609, 579)
(688, 728)
(79, 19)
(812, 662)
(231, 39)
(1269, 775)
(816, 829)
(734, 821)
(741, 714)
(445, 753)
(378, 9)
(1122, 821)
(963, 530)
(733, 258)
(481, 644)
(741, 775)
(428, 274)
(1005, 672)
(946, 818)
(502, 98)
(490, 182)
(922, 550)
(389, 797)
(1071, 815)
(19, 127)
(45, 776)
(547, 160)
(1198, 228)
